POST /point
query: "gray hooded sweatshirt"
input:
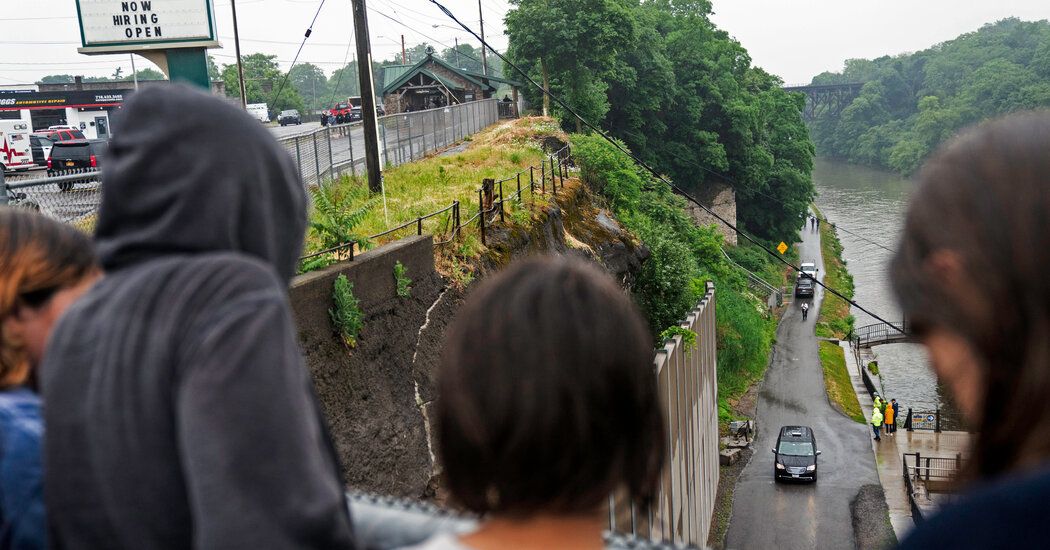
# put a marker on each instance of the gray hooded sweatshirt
(179, 413)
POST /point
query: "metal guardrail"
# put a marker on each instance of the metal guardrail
(939, 473)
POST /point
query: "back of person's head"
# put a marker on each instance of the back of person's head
(972, 266)
(548, 401)
(38, 257)
(190, 173)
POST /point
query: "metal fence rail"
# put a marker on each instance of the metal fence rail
(70, 196)
(330, 151)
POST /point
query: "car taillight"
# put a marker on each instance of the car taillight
(48, 164)
(94, 161)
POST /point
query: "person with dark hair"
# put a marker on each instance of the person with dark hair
(179, 412)
(970, 274)
(896, 414)
(44, 267)
(557, 410)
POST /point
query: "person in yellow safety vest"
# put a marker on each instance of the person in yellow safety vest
(890, 418)
(876, 421)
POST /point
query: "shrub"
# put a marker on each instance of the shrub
(333, 222)
(346, 314)
(402, 282)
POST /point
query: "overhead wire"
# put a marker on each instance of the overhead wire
(655, 174)
(306, 35)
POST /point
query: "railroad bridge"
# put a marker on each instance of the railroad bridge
(828, 99)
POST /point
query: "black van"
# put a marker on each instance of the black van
(795, 456)
(804, 287)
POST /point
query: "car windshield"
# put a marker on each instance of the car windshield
(796, 448)
(288, 113)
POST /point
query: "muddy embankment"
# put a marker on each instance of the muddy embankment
(376, 395)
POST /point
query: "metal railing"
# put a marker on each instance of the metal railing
(880, 333)
(329, 151)
(774, 296)
(688, 382)
(71, 196)
(928, 474)
(491, 205)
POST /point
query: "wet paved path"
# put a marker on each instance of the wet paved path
(785, 516)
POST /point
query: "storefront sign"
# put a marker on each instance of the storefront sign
(17, 100)
(130, 25)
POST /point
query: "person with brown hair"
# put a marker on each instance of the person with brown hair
(44, 267)
(970, 274)
(547, 405)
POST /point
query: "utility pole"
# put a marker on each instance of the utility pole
(134, 73)
(237, 50)
(404, 56)
(458, 66)
(368, 98)
(484, 62)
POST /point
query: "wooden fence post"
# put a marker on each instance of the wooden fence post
(481, 216)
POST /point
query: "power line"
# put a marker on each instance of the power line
(306, 35)
(658, 176)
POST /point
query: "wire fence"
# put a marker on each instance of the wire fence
(70, 196)
(447, 223)
(330, 151)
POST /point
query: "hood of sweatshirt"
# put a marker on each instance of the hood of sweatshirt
(189, 173)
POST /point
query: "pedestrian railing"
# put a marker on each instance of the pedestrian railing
(774, 296)
(71, 196)
(880, 333)
(447, 223)
(924, 475)
(330, 151)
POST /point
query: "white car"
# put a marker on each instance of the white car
(259, 111)
(809, 268)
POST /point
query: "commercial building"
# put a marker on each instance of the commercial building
(88, 110)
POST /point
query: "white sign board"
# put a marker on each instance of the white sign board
(134, 25)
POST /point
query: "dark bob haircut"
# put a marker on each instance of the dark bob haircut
(547, 397)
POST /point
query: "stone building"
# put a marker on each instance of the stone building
(720, 198)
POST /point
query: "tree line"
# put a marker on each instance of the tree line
(913, 102)
(681, 93)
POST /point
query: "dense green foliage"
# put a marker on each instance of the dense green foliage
(911, 103)
(684, 256)
(681, 93)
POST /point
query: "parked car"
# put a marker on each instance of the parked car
(804, 287)
(795, 456)
(290, 116)
(41, 145)
(61, 133)
(809, 268)
(77, 154)
(355, 113)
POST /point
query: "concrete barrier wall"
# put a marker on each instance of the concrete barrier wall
(688, 385)
(369, 394)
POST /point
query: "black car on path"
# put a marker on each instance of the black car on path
(795, 456)
(291, 116)
(804, 287)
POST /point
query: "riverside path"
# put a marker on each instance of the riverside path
(788, 516)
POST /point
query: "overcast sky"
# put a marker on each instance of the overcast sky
(795, 39)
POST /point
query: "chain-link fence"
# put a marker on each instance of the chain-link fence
(71, 196)
(404, 137)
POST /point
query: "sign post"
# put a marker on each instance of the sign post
(173, 34)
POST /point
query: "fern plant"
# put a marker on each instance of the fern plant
(346, 314)
(333, 222)
(404, 284)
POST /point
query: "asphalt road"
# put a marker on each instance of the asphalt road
(785, 516)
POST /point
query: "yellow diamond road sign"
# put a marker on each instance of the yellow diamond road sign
(782, 247)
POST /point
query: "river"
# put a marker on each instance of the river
(868, 205)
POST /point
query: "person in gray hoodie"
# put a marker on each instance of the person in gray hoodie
(179, 413)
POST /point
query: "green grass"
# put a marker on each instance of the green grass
(834, 319)
(837, 381)
(420, 188)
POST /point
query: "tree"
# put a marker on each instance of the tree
(311, 83)
(213, 69)
(464, 56)
(262, 78)
(149, 74)
(58, 79)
